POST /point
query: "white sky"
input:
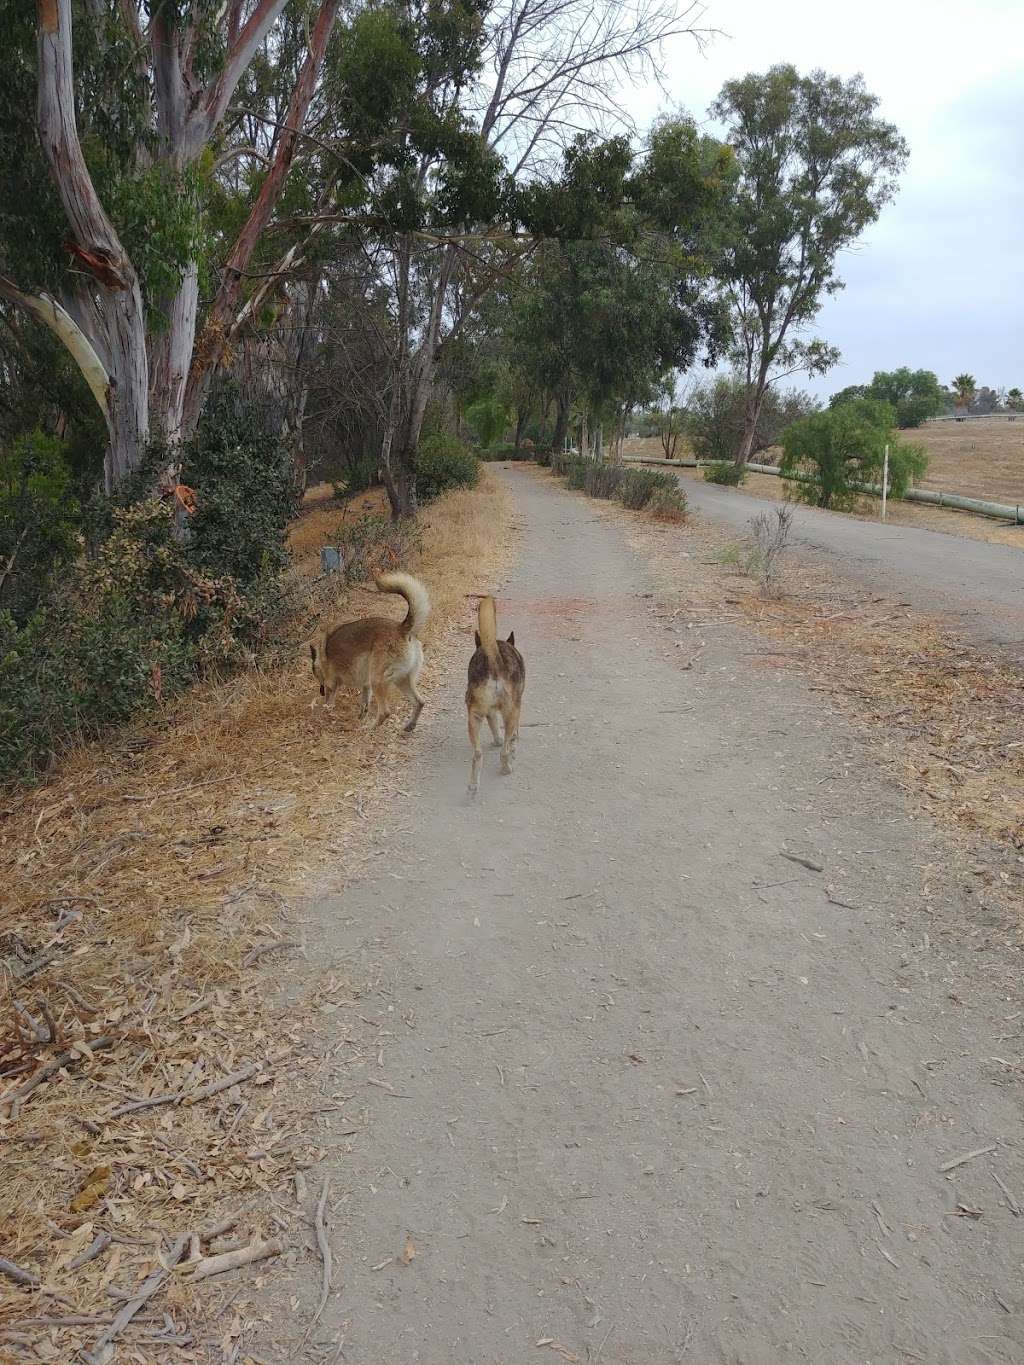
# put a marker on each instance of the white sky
(938, 282)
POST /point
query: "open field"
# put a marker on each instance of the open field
(980, 459)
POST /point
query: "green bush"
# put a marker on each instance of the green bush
(602, 480)
(135, 626)
(442, 463)
(726, 472)
(830, 455)
(654, 490)
(147, 609)
(668, 503)
(240, 470)
(641, 487)
(359, 473)
(39, 520)
(576, 472)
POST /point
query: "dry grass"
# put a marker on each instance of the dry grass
(945, 716)
(964, 524)
(148, 886)
(981, 459)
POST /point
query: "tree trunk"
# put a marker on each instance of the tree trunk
(584, 436)
(522, 417)
(563, 403)
(172, 353)
(752, 414)
(94, 241)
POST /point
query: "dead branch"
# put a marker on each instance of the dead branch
(231, 1260)
(150, 1286)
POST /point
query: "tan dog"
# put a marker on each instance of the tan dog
(497, 677)
(376, 654)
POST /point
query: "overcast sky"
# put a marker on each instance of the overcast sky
(938, 282)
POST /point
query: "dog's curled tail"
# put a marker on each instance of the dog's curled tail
(487, 628)
(414, 593)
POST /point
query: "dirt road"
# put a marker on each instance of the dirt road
(634, 1087)
(981, 586)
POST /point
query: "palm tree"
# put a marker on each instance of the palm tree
(965, 390)
(1015, 400)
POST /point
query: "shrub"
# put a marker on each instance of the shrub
(443, 462)
(668, 504)
(359, 473)
(830, 455)
(375, 544)
(240, 469)
(726, 472)
(603, 480)
(640, 486)
(715, 416)
(576, 471)
(39, 520)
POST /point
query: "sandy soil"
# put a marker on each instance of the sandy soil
(616, 1080)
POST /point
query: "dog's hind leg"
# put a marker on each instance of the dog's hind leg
(492, 721)
(478, 755)
(364, 702)
(407, 685)
(510, 718)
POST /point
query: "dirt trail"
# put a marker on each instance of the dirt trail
(638, 1088)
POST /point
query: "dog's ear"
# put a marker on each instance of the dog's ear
(512, 638)
(476, 637)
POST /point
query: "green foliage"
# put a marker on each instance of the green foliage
(1015, 400)
(827, 455)
(135, 625)
(716, 412)
(39, 520)
(726, 472)
(240, 470)
(602, 480)
(488, 417)
(147, 610)
(816, 166)
(653, 490)
(964, 388)
(914, 395)
(442, 463)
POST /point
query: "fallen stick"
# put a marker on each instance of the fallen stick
(98, 1246)
(16, 1273)
(803, 862)
(1011, 1198)
(65, 1059)
(967, 1156)
(231, 1260)
(225, 1083)
(218, 1229)
(325, 1254)
(261, 949)
(192, 1009)
(134, 1106)
(149, 1286)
